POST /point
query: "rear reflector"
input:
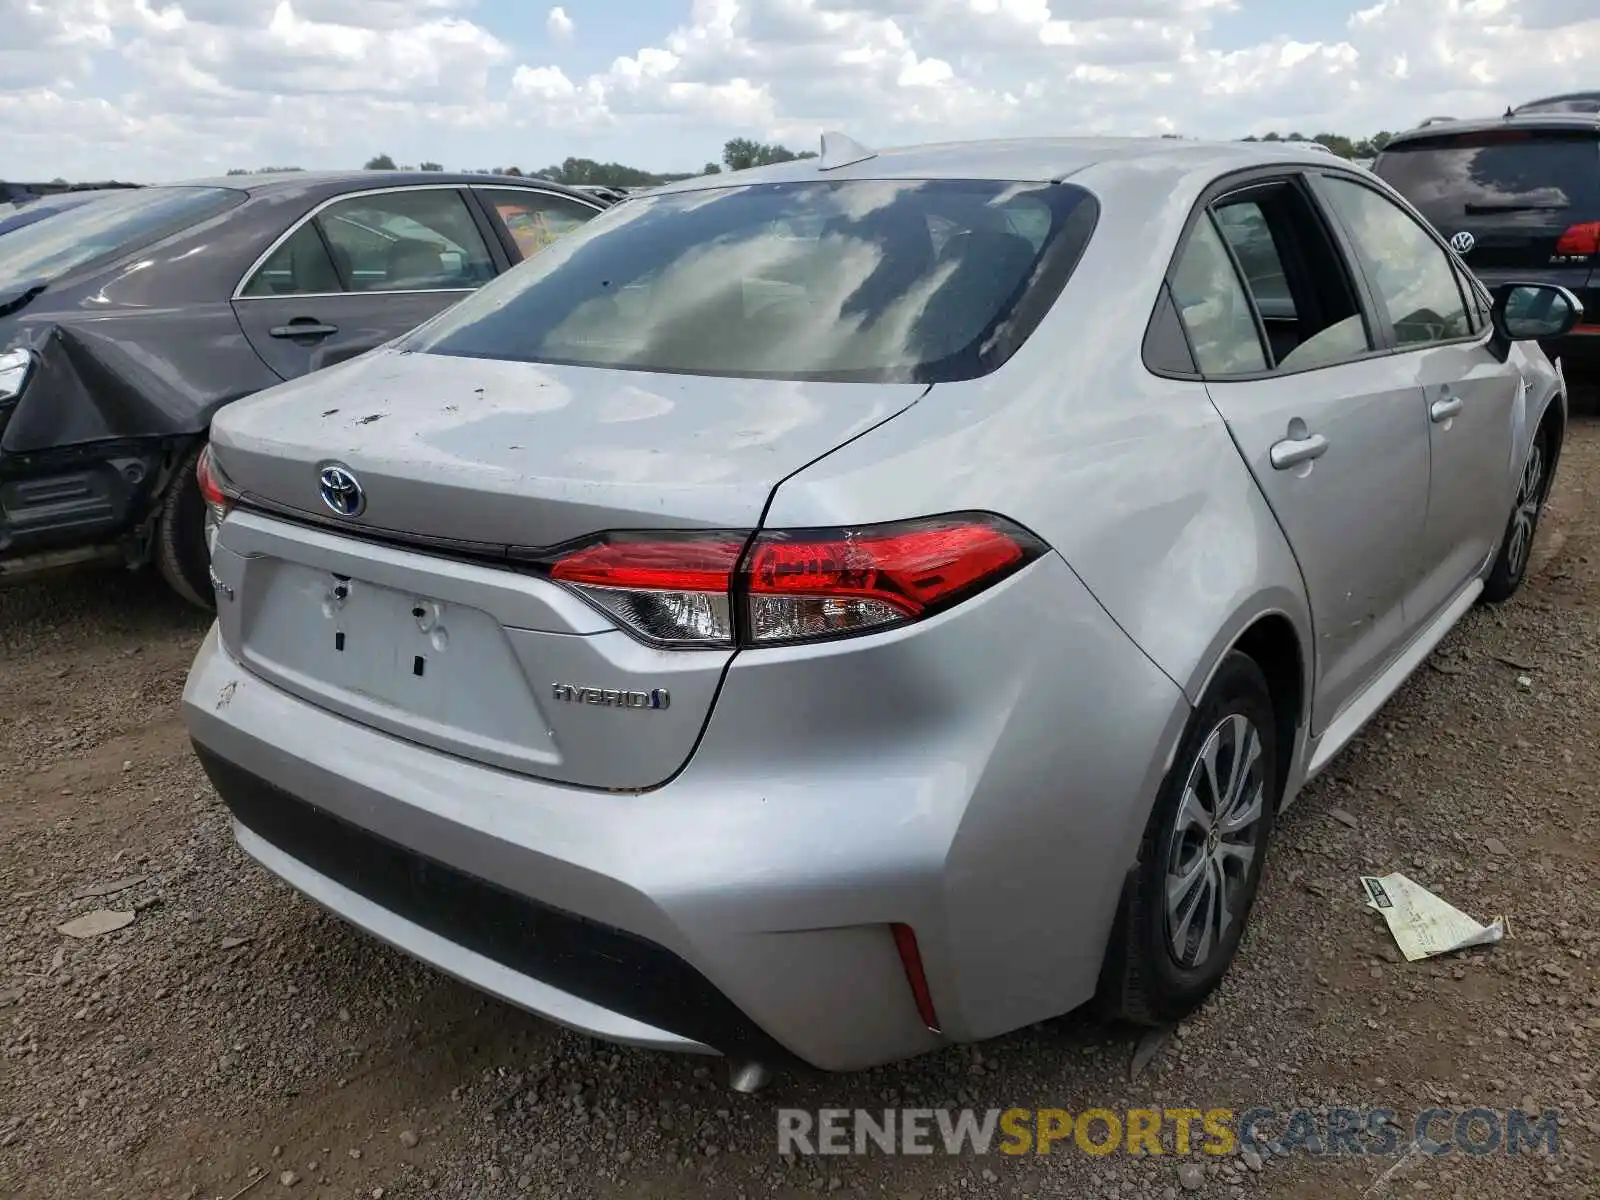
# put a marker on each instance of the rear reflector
(779, 586)
(905, 941)
(1580, 240)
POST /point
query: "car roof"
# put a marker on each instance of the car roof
(1450, 126)
(1024, 160)
(1590, 102)
(334, 181)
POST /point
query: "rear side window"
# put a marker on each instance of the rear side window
(1214, 307)
(1516, 173)
(406, 241)
(858, 280)
(299, 267)
(105, 228)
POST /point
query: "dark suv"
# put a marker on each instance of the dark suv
(1518, 198)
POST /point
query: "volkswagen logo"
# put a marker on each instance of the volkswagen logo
(341, 491)
(1463, 242)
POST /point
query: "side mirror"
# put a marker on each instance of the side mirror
(1534, 311)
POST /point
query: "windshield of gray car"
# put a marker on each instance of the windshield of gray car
(859, 280)
(113, 224)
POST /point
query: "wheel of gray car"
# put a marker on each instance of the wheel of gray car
(1191, 892)
(180, 549)
(1516, 547)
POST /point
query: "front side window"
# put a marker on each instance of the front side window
(1214, 307)
(535, 219)
(852, 280)
(1412, 274)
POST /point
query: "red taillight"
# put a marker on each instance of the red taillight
(206, 474)
(1580, 240)
(905, 941)
(671, 590)
(809, 584)
(793, 585)
(685, 564)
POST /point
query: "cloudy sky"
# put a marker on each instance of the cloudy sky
(150, 89)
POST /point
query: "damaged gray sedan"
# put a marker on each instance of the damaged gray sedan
(126, 323)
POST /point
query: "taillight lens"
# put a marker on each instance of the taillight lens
(216, 491)
(821, 583)
(781, 586)
(673, 590)
(1580, 240)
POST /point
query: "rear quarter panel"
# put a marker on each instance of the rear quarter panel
(1132, 478)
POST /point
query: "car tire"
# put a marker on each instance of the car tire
(1516, 544)
(181, 553)
(1164, 959)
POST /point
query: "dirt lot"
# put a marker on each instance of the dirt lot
(234, 1040)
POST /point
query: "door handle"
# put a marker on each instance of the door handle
(1291, 452)
(303, 327)
(1444, 408)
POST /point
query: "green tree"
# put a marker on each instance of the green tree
(711, 169)
(431, 166)
(381, 162)
(587, 170)
(740, 154)
(1338, 143)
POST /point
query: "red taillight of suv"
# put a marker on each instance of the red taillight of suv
(798, 585)
(1580, 240)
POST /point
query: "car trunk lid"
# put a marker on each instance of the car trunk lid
(503, 454)
(466, 651)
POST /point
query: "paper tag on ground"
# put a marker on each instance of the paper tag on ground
(1422, 924)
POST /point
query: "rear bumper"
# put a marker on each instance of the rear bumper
(991, 798)
(592, 977)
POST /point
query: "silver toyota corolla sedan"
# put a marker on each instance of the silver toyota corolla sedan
(868, 603)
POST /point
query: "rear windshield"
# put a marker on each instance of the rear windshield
(1497, 171)
(862, 280)
(117, 222)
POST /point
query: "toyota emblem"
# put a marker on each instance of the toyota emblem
(341, 491)
(1463, 242)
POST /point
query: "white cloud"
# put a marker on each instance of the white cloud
(160, 88)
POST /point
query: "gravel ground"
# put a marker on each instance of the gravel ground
(235, 1040)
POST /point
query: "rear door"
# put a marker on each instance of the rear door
(1469, 396)
(1330, 426)
(1513, 202)
(361, 270)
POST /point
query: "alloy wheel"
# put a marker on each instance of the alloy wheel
(1214, 841)
(1525, 517)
